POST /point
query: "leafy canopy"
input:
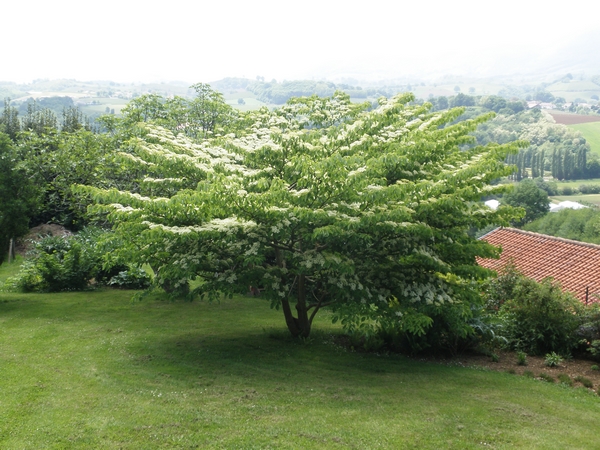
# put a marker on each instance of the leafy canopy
(321, 202)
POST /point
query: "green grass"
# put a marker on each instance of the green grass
(574, 89)
(576, 183)
(95, 370)
(591, 133)
(10, 269)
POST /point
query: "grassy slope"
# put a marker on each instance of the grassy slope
(94, 370)
(591, 132)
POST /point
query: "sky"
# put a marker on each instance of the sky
(202, 41)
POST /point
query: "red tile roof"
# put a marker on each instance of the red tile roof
(576, 265)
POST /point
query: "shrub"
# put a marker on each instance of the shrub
(589, 331)
(595, 367)
(133, 278)
(540, 318)
(589, 189)
(58, 264)
(553, 359)
(66, 263)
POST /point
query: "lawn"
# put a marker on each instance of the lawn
(591, 132)
(96, 370)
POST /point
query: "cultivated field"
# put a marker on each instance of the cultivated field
(96, 370)
(573, 119)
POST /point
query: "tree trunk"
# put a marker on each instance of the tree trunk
(298, 326)
(11, 251)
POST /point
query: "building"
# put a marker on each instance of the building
(575, 265)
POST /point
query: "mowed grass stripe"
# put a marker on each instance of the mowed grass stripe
(94, 370)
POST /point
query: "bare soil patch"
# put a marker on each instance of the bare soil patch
(26, 243)
(573, 119)
(507, 362)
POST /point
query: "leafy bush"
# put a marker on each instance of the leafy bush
(70, 263)
(134, 278)
(540, 318)
(521, 358)
(553, 359)
(589, 331)
(568, 190)
(58, 264)
(589, 188)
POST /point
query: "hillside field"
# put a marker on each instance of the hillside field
(96, 370)
(591, 132)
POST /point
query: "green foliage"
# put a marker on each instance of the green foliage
(536, 317)
(546, 377)
(17, 196)
(320, 203)
(521, 358)
(580, 225)
(55, 161)
(528, 196)
(553, 359)
(595, 367)
(134, 278)
(61, 264)
(586, 382)
(565, 379)
(70, 263)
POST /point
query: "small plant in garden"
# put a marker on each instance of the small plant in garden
(585, 381)
(494, 357)
(545, 377)
(565, 379)
(595, 367)
(553, 359)
(511, 371)
(521, 358)
(528, 374)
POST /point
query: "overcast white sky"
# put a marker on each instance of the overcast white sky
(127, 41)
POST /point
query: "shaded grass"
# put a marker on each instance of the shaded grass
(10, 269)
(94, 370)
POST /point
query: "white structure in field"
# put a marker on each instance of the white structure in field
(493, 204)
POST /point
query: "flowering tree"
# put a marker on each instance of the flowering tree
(319, 203)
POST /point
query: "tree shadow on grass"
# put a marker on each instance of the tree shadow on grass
(272, 354)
